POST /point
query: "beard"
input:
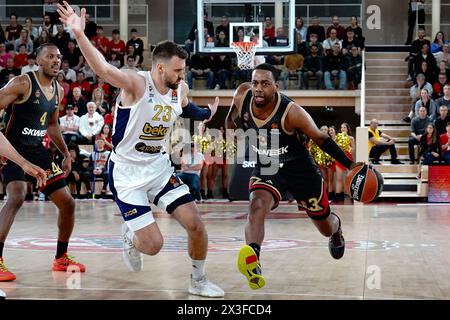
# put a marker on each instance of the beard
(173, 86)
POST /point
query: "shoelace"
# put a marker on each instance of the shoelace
(3, 267)
(69, 258)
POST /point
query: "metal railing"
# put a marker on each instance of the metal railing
(93, 9)
(363, 90)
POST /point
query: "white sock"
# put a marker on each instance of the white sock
(198, 269)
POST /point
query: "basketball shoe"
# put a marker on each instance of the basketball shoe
(67, 262)
(5, 274)
(205, 288)
(336, 244)
(133, 259)
(2, 295)
(249, 265)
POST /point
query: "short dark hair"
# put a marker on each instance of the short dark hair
(99, 28)
(268, 67)
(166, 50)
(43, 46)
(79, 71)
(13, 14)
(448, 124)
(133, 30)
(115, 31)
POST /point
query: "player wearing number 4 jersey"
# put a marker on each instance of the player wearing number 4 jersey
(140, 170)
(260, 106)
(32, 101)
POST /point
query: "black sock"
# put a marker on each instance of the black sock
(61, 248)
(1, 248)
(255, 247)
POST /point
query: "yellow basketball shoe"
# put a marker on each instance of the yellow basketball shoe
(249, 265)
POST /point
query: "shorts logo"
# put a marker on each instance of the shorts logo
(174, 181)
(130, 213)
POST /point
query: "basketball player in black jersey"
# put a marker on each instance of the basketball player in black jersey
(259, 105)
(32, 100)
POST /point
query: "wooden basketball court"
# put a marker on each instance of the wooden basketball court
(393, 252)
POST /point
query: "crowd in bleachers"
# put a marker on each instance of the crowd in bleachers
(429, 70)
(326, 55)
(87, 109)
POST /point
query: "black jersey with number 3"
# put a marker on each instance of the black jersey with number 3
(27, 120)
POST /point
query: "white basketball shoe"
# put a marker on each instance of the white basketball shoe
(205, 288)
(133, 259)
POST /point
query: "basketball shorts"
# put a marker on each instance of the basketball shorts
(306, 185)
(134, 185)
(42, 158)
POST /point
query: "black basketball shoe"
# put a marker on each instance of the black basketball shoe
(336, 244)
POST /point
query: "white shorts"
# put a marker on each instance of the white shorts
(135, 185)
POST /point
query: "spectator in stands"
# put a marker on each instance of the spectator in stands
(209, 39)
(427, 71)
(418, 127)
(316, 28)
(13, 30)
(430, 148)
(115, 60)
(69, 74)
(4, 73)
(351, 41)
(222, 40)
(331, 41)
(221, 66)
(73, 56)
(439, 41)
(415, 93)
(130, 63)
(69, 125)
(105, 86)
(82, 84)
(224, 27)
(341, 31)
(426, 56)
(269, 29)
(438, 87)
(4, 55)
(90, 124)
(356, 28)
(89, 74)
(139, 44)
(334, 67)
(191, 165)
(117, 45)
(20, 59)
(78, 173)
(48, 25)
(300, 28)
(61, 39)
(189, 43)
(44, 37)
(293, 65)
(354, 67)
(2, 37)
(313, 40)
(415, 11)
(443, 56)
(62, 82)
(33, 32)
(281, 39)
(98, 164)
(90, 29)
(50, 10)
(313, 67)
(25, 40)
(131, 52)
(445, 144)
(445, 100)
(98, 97)
(101, 42)
(109, 117)
(377, 146)
(415, 50)
(31, 66)
(106, 134)
(442, 68)
(427, 103)
(78, 102)
(200, 67)
(441, 121)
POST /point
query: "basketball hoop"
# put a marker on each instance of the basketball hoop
(245, 52)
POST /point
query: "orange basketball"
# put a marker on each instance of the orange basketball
(364, 183)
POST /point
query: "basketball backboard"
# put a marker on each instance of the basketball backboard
(246, 20)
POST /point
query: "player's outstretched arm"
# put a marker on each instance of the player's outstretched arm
(299, 119)
(16, 88)
(193, 111)
(124, 79)
(8, 151)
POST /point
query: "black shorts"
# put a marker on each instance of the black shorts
(304, 183)
(42, 158)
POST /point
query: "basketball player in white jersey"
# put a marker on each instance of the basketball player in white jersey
(140, 170)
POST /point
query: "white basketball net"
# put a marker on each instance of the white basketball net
(245, 52)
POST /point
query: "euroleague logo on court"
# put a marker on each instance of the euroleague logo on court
(113, 243)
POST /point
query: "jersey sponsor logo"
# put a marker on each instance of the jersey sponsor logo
(174, 96)
(271, 152)
(33, 132)
(37, 93)
(153, 133)
(151, 94)
(142, 147)
(248, 164)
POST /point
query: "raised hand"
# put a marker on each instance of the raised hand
(71, 19)
(213, 109)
